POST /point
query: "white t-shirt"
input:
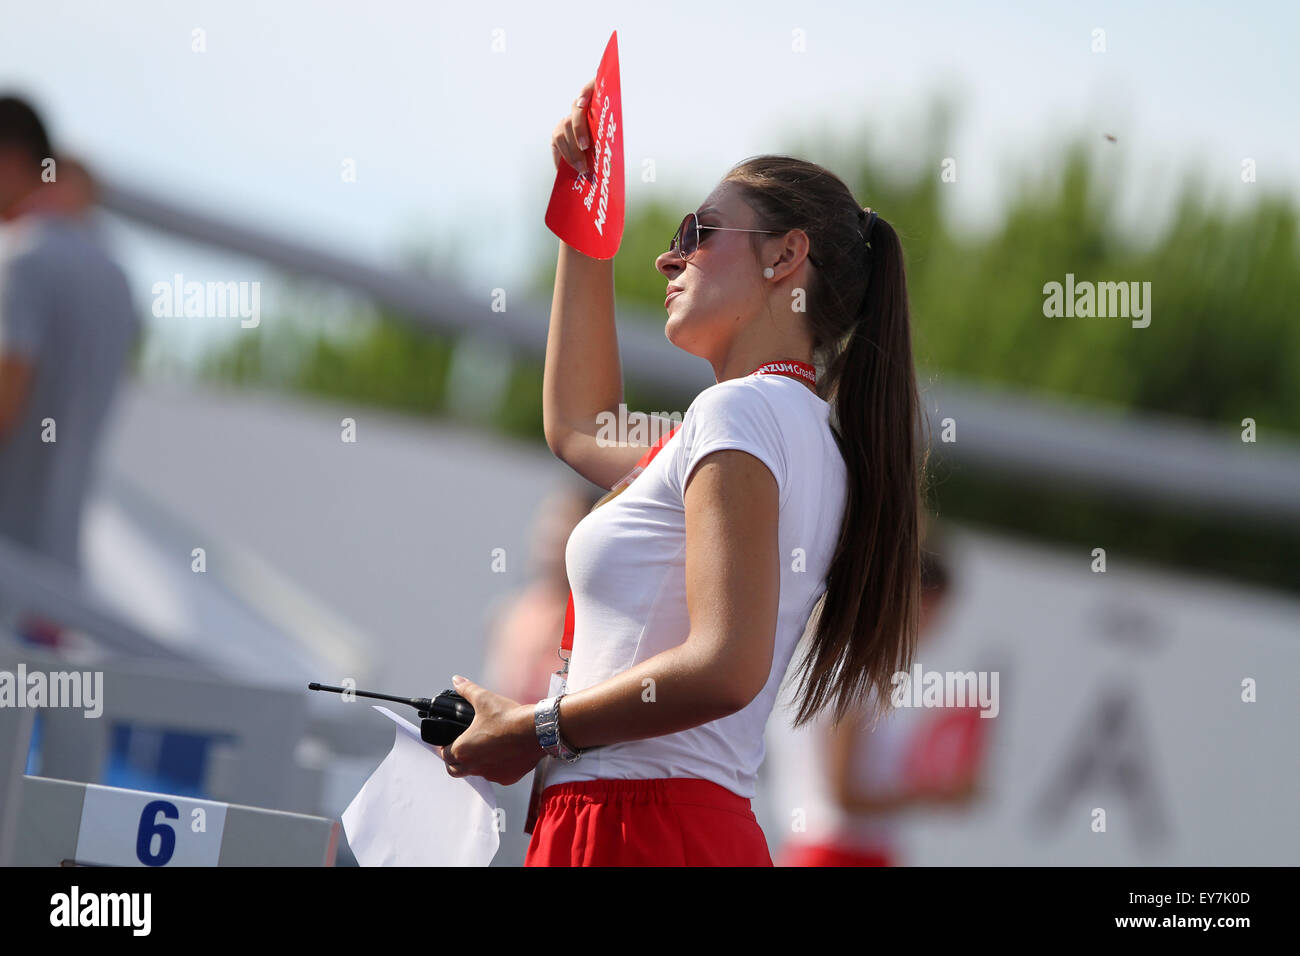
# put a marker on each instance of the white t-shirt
(627, 568)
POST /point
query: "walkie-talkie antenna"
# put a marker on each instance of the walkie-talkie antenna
(442, 718)
(422, 704)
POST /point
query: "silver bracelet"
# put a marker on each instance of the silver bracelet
(546, 719)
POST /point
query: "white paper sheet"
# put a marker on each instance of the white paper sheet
(412, 813)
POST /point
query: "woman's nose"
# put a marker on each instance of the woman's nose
(669, 263)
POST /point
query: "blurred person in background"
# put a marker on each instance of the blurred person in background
(67, 325)
(853, 782)
(74, 192)
(524, 629)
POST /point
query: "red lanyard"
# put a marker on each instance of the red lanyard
(790, 368)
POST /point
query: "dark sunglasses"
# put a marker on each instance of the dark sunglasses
(686, 241)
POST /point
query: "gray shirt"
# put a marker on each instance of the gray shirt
(66, 308)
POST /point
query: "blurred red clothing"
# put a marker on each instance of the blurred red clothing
(826, 854)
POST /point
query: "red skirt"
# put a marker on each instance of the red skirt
(665, 821)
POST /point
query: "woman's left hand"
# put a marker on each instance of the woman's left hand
(500, 745)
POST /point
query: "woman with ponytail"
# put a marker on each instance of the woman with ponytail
(787, 499)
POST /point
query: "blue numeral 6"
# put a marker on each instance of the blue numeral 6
(149, 826)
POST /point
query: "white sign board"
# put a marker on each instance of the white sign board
(134, 828)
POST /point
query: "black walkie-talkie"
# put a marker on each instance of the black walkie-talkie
(444, 718)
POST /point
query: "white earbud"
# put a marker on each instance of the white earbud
(769, 272)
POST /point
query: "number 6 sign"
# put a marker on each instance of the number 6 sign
(134, 828)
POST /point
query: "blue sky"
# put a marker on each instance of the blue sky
(451, 139)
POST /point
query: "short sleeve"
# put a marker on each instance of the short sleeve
(732, 414)
(22, 320)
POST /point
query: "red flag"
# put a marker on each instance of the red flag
(587, 211)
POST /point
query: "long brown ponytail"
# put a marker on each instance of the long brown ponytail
(864, 628)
